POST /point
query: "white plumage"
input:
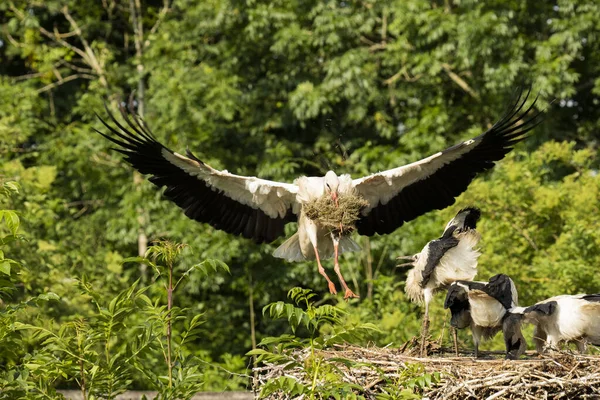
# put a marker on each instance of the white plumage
(442, 261)
(458, 263)
(566, 318)
(259, 209)
(483, 306)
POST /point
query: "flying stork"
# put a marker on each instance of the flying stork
(568, 318)
(442, 261)
(483, 306)
(259, 209)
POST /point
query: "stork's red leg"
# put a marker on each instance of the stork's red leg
(332, 289)
(348, 293)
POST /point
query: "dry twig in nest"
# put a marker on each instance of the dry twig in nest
(556, 376)
(339, 218)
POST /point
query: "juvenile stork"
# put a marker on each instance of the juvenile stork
(566, 318)
(483, 306)
(259, 209)
(442, 261)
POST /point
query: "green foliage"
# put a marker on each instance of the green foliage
(88, 352)
(325, 327)
(325, 376)
(91, 352)
(15, 379)
(315, 320)
(155, 335)
(410, 384)
(277, 89)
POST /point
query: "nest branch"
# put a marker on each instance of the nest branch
(562, 375)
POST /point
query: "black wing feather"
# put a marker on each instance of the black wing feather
(592, 297)
(436, 250)
(547, 308)
(199, 201)
(438, 190)
(499, 287)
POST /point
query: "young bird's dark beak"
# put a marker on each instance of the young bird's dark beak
(412, 259)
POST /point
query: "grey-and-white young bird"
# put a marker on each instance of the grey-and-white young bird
(566, 318)
(483, 306)
(259, 209)
(442, 261)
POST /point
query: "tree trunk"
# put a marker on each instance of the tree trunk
(369, 268)
(138, 35)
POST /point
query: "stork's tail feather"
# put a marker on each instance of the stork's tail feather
(347, 245)
(290, 250)
(413, 288)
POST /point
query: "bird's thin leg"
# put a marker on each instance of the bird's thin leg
(336, 267)
(581, 345)
(455, 338)
(322, 272)
(476, 337)
(424, 330)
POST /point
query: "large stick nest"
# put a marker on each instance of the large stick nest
(338, 218)
(556, 376)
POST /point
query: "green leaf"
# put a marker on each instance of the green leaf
(140, 260)
(257, 352)
(12, 220)
(48, 296)
(5, 267)
(11, 187)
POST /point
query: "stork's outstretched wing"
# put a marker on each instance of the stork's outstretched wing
(248, 206)
(404, 193)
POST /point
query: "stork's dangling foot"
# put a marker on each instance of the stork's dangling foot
(332, 289)
(336, 267)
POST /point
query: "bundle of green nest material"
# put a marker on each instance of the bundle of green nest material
(338, 218)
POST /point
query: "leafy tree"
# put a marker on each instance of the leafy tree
(305, 86)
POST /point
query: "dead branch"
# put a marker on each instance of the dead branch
(65, 80)
(402, 73)
(91, 56)
(87, 54)
(459, 81)
(161, 16)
